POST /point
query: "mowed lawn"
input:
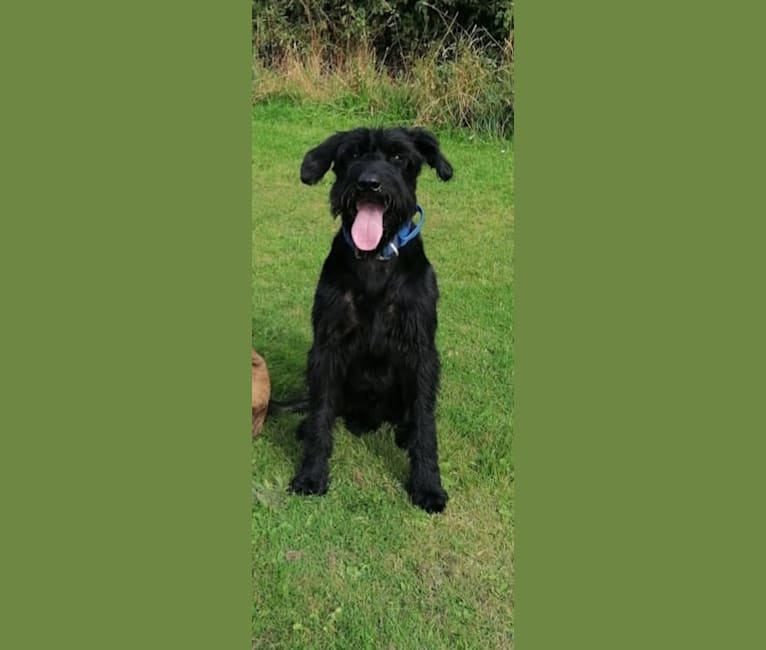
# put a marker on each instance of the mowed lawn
(361, 567)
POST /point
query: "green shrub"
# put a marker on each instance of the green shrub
(397, 30)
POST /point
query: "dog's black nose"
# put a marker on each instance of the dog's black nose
(368, 181)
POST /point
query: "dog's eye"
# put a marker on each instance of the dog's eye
(396, 157)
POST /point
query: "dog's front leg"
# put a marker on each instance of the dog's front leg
(424, 485)
(316, 430)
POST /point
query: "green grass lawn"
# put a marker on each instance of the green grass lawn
(361, 567)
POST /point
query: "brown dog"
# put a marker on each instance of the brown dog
(261, 392)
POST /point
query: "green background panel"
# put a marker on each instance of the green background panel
(125, 257)
(639, 320)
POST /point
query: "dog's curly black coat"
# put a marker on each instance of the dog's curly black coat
(374, 357)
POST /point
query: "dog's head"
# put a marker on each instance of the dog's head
(376, 173)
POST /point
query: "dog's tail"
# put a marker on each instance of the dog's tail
(294, 405)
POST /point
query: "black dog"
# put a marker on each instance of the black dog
(374, 357)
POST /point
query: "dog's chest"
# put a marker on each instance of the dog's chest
(373, 321)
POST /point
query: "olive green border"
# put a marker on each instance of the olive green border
(639, 325)
(126, 289)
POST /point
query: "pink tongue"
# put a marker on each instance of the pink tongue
(367, 230)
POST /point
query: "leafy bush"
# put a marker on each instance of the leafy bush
(397, 30)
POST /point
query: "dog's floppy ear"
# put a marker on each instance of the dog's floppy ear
(317, 161)
(428, 146)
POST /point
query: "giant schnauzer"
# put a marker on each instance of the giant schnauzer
(374, 357)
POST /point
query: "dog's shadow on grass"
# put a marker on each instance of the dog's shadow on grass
(286, 360)
(285, 357)
(280, 431)
(381, 444)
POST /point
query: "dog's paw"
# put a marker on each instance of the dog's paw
(310, 483)
(431, 498)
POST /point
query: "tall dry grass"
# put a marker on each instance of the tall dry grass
(455, 83)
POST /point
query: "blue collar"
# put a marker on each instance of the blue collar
(406, 234)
